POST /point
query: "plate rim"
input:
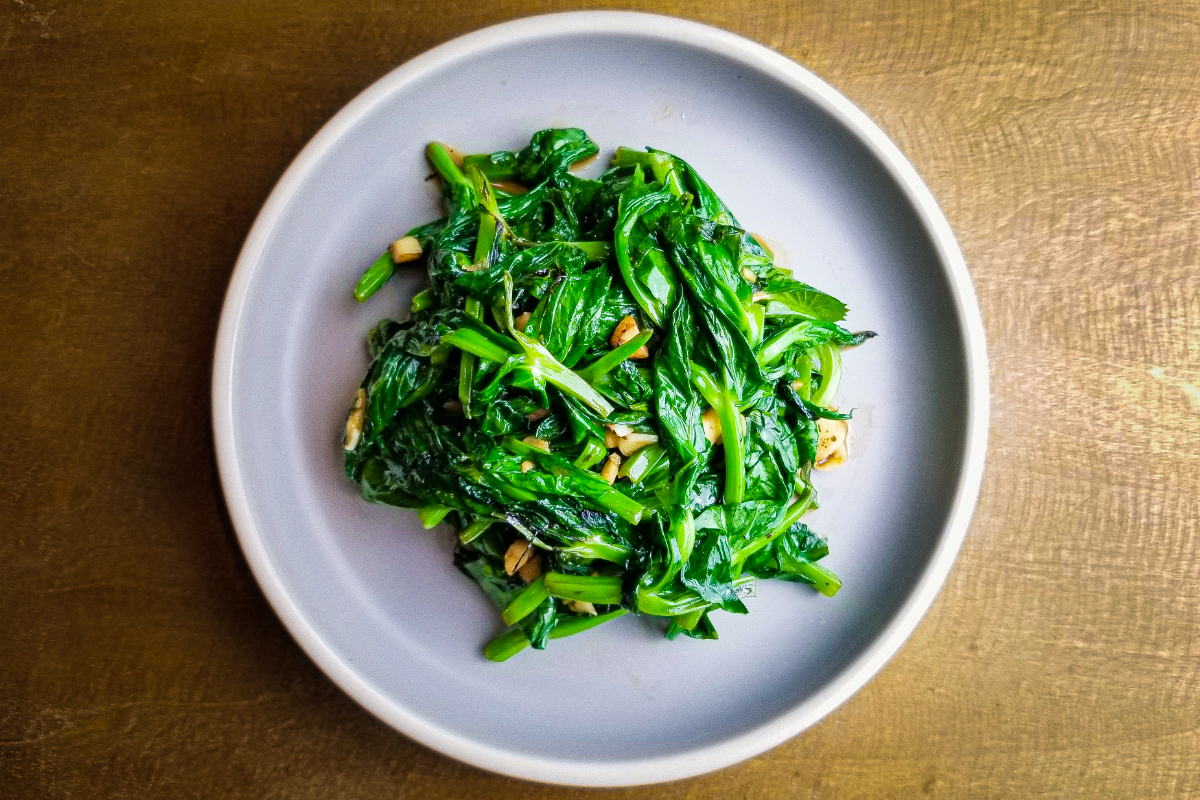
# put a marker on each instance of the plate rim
(844, 684)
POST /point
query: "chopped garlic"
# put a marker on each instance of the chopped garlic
(354, 422)
(405, 249)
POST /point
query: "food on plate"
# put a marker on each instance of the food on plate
(609, 389)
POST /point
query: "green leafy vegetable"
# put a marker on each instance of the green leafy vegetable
(608, 390)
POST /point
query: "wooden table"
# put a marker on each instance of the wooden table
(137, 656)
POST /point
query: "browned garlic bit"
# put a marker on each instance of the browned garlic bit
(612, 465)
(354, 422)
(520, 322)
(626, 329)
(405, 249)
(531, 570)
(831, 443)
(712, 425)
(614, 432)
(635, 441)
(581, 607)
(626, 439)
(522, 559)
(749, 275)
(526, 466)
(540, 444)
(610, 439)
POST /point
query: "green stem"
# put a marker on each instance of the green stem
(592, 454)
(474, 309)
(673, 604)
(445, 166)
(475, 530)
(606, 363)
(542, 362)
(525, 602)
(585, 484)
(375, 276)
(641, 463)
(422, 300)
(774, 348)
(831, 373)
(431, 515)
(804, 377)
(511, 642)
(506, 645)
(681, 540)
(486, 240)
(794, 512)
(474, 343)
(573, 625)
(729, 418)
(823, 580)
(588, 588)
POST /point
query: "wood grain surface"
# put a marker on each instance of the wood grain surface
(137, 656)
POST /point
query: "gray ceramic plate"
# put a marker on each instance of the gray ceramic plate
(374, 599)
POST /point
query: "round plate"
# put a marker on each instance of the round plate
(374, 599)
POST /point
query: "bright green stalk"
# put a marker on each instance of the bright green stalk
(804, 377)
(592, 454)
(586, 484)
(487, 238)
(794, 512)
(474, 308)
(543, 363)
(445, 166)
(474, 343)
(422, 300)
(475, 530)
(588, 588)
(487, 199)
(431, 515)
(681, 539)
(774, 348)
(831, 373)
(376, 276)
(639, 465)
(585, 622)
(606, 363)
(732, 434)
(595, 548)
(756, 315)
(511, 642)
(823, 580)
(673, 604)
(525, 602)
(506, 645)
